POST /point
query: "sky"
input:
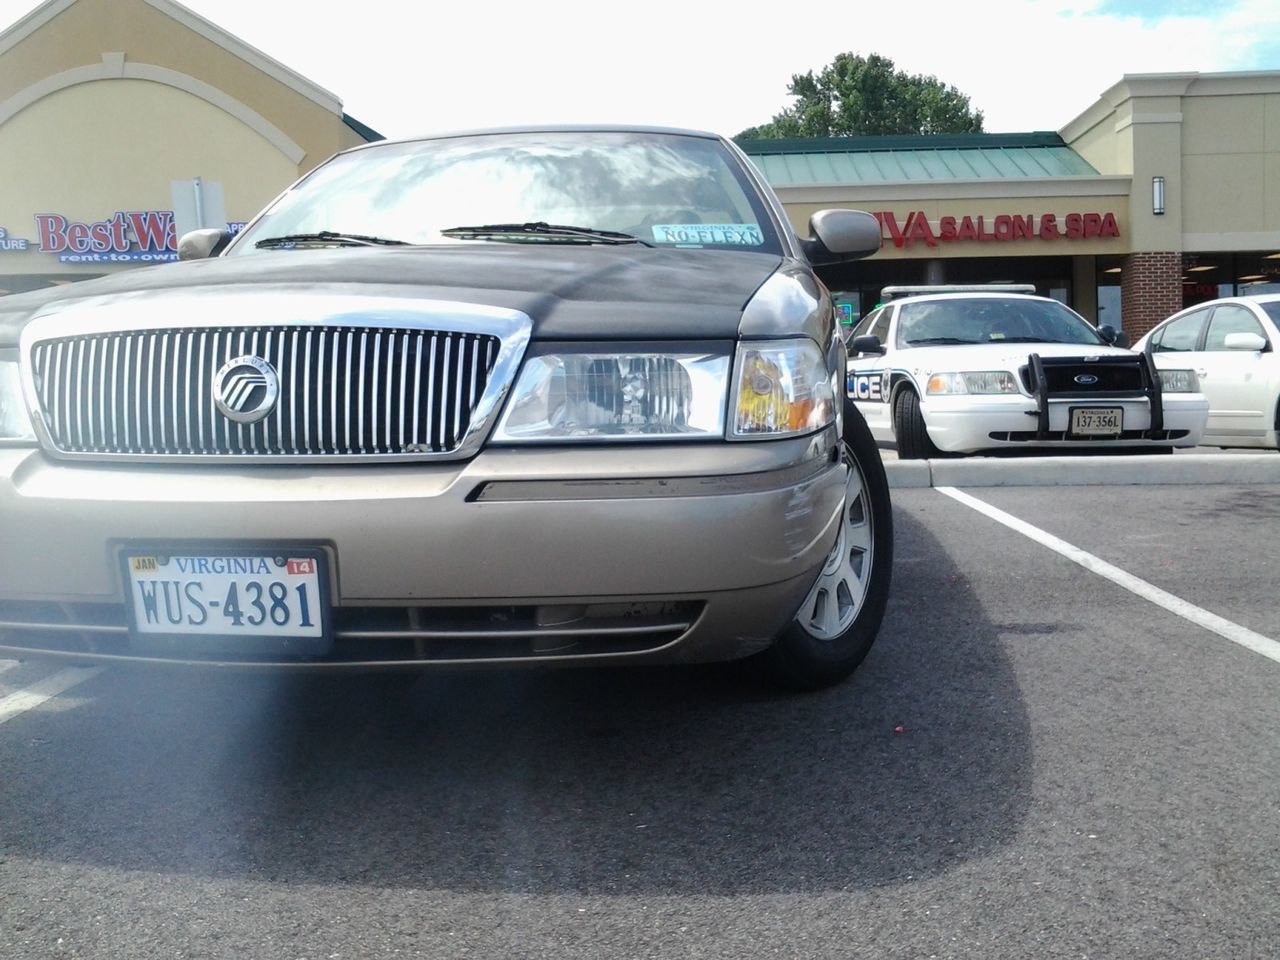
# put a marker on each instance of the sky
(406, 67)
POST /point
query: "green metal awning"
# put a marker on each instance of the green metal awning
(851, 160)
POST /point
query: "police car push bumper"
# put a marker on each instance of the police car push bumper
(966, 423)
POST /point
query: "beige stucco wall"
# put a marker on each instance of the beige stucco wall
(1231, 161)
(95, 148)
(1214, 138)
(104, 103)
(79, 35)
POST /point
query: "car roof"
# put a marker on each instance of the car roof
(1245, 297)
(544, 128)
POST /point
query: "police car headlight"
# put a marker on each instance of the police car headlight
(15, 425)
(1179, 381)
(982, 381)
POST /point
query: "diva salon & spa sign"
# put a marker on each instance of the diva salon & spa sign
(1004, 228)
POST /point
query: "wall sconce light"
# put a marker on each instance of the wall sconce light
(1157, 196)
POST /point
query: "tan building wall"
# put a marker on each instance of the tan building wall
(1214, 138)
(105, 103)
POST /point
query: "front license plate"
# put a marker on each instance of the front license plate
(1097, 421)
(250, 594)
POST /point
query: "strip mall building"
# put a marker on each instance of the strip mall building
(124, 122)
(1164, 193)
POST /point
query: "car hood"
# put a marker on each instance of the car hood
(569, 291)
(994, 356)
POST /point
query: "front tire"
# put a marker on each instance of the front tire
(835, 626)
(909, 429)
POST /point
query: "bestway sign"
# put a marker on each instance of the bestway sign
(148, 236)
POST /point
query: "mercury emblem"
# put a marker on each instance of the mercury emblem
(245, 389)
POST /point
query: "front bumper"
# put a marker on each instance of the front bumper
(669, 553)
(969, 423)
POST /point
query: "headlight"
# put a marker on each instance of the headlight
(617, 395)
(780, 387)
(982, 381)
(14, 423)
(1179, 381)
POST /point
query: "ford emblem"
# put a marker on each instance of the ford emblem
(1086, 379)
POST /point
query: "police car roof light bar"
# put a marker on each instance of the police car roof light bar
(889, 293)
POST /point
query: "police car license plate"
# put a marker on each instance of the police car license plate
(1096, 421)
(259, 594)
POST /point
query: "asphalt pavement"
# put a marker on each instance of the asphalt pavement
(1033, 762)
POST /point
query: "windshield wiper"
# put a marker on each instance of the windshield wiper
(541, 229)
(330, 237)
(1083, 343)
(946, 341)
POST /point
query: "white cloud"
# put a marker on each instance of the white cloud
(405, 66)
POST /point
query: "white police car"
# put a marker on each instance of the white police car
(968, 369)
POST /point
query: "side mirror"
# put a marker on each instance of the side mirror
(200, 244)
(866, 344)
(1117, 338)
(1244, 341)
(836, 235)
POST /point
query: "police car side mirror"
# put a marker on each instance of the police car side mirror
(1117, 338)
(200, 244)
(837, 235)
(866, 344)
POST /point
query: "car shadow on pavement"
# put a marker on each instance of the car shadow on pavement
(680, 781)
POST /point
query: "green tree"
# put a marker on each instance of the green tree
(862, 96)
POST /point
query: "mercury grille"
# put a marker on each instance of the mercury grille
(1119, 375)
(343, 390)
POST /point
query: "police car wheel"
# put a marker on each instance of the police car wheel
(909, 429)
(840, 617)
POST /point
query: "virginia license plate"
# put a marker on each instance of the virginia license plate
(260, 594)
(1097, 421)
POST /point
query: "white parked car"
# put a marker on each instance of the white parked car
(1232, 346)
(963, 370)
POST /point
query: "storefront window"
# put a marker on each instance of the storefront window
(1206, 276)
(1257, 273)
(1109, 272)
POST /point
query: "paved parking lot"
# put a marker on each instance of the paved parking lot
(1080, 772)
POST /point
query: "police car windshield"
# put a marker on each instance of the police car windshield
(969, 320)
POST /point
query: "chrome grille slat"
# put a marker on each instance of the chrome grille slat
(151, 380)
(99, 380)
(127, 446)
(77, 385)
(417, 386)
(185, 408)
(160, 384)
(404, 383)
(429, 416)
(149, 393)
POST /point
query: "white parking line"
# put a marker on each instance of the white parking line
(7, 665)
(50, 686)
(1176, 605)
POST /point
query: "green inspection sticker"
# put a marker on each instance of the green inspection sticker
(735, 234)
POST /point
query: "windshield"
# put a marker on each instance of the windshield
(665, 189)
(1273, 311)
(991, 320)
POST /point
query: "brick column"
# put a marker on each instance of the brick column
(1150, 290)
